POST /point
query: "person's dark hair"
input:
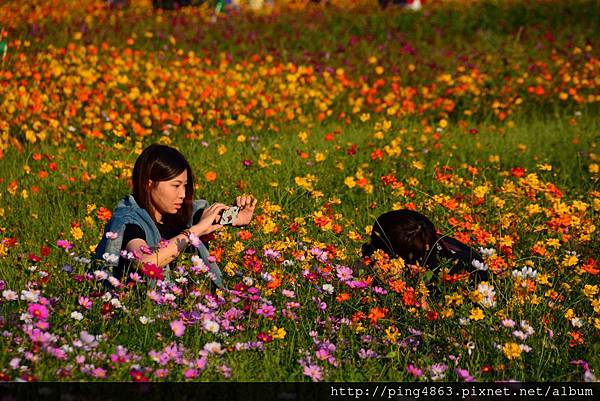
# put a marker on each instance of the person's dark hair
(162, 163)
(404, 233)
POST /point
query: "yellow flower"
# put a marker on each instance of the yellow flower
(350, 183)
(594, 168)
(476, 314)
(544, 167)
(76, 233)
(229, 269)
(365, 117)
(480, 191)
(277, 333)
(106, 168)
(392, 333)
(418, 165)
(303, 136)
(533, 209)
(511, 350)
(443, 123)
(569, 314)
(221, 149)
(590, 290)
(319, 157)
(570, 260)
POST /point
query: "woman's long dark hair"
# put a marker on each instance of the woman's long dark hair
(162, 163)
(404, 233)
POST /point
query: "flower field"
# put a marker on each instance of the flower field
(482, 115)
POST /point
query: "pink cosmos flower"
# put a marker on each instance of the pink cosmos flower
(38, 311)
(413, 370)
(344, 273)
(62, 243)
(464, 375)
(178, 328)
(99, 373)
(85, 302)
(190, 373)
(314, 372)
(266, 310)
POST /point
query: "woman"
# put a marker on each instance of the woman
(413, 237)
(162, 207)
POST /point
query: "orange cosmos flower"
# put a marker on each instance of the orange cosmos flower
(210, 176)
(104, 214)
(377, 313)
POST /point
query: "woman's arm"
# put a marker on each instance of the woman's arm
(163, 256)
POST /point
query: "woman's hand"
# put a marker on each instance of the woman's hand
(210, 216)
(247, 204)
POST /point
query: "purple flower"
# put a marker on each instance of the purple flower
(367, 354)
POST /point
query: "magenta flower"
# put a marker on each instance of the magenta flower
(38, 311)
(62, 243)
(464, 375)
(85, 302)
(190, 373)
(413, 370)
(266, 310)
(178, 328)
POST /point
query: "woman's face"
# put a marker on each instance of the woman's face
(167, 196)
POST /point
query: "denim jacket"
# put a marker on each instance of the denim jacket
(128, 212)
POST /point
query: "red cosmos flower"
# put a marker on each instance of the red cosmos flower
(432, 315)
(264, 337)
(53, 166)
(106, 308)
(377, 154)
(486, 369)
(517, 172)
(45, 250)
(9, 242)
(138, 376)
(152, 271)
(388, 179)
(34, 258)
(591, 267)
